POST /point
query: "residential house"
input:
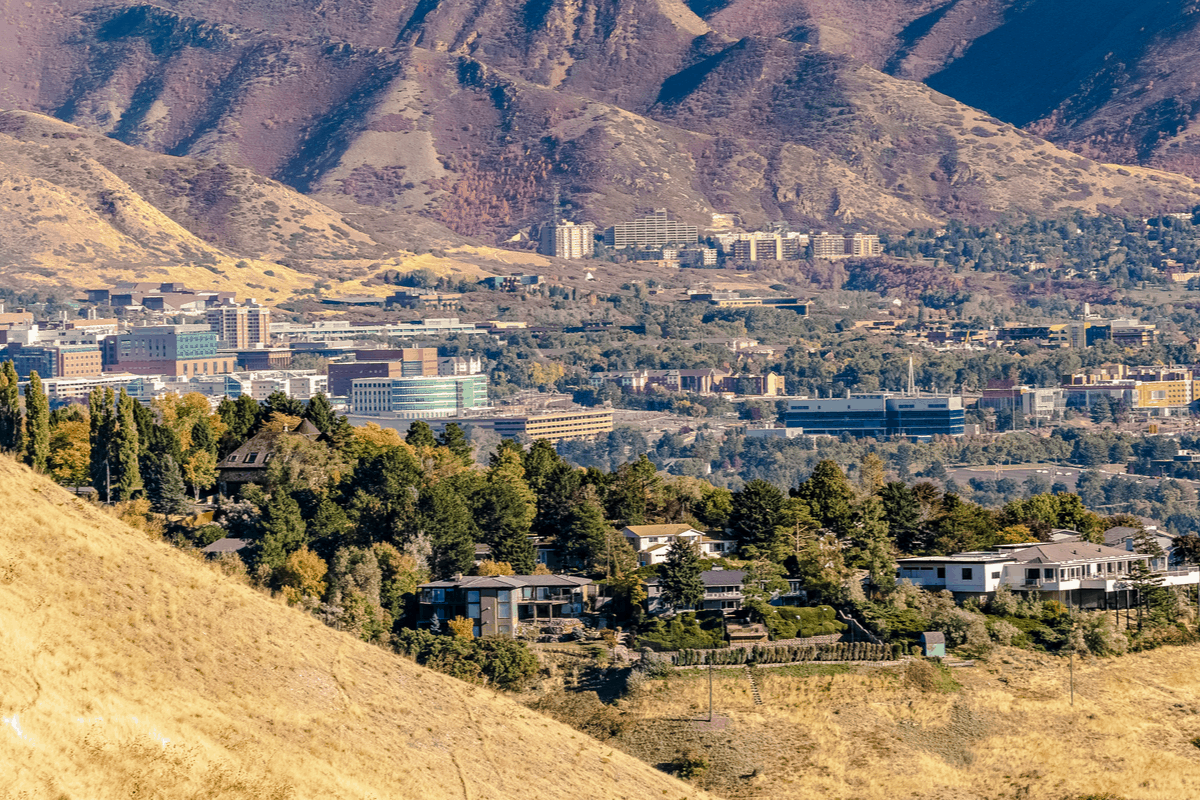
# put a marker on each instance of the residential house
(1076, 573)
(722, 592)
(652, 541)
(249, 463)
(498, 604)
(1123, 538)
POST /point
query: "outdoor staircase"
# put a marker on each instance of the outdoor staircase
(758, 701)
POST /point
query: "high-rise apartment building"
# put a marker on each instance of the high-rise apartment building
(654, 231)
(568, 240)
(239, 327)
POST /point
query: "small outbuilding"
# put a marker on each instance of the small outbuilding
(933, 644)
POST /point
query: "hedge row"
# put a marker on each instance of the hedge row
(784, 654)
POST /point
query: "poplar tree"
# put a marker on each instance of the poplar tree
(127, 476)
(101, 433)
(37, 424)
(10, 407)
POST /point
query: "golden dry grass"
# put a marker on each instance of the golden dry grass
(129, 669)
(1009, 733)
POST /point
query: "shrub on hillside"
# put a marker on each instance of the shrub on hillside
(684, 631)
(790, 622)
(493, 661)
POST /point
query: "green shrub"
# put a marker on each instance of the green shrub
(684, 631)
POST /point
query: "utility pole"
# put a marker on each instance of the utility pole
(710, 689)
(1072, 677)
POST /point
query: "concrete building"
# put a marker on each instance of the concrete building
(863, 244)
(568, 240)
(1160, 391)
(62, 391)
(408, 362)
(418, 397)
(1031, 401)
(553, 426)
(733, 300)
(768, 247)
(828, 245)
(498, 605)
(1078, 574)
(239, 327)
(188, 350)
(653, 232)
(698, 257)
(878, 415)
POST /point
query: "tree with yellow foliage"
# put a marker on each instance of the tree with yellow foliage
(461, 627)
(491, 568)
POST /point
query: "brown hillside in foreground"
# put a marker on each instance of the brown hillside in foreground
(129, 669)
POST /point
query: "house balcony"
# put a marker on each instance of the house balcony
(723, 595)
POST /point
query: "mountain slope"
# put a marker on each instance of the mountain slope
(464, 113)
(131, 668)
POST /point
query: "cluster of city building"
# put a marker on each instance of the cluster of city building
(657, 237)
(944, 334)
(696, 381)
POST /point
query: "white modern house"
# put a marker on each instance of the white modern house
(1077, 573)
(651, 542)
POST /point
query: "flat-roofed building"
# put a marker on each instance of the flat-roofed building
(554, 426)
(568, 240)
(188, 350)
(653, 232)
(409, 362)
(239, 327)
(878, 415)
(418, 397)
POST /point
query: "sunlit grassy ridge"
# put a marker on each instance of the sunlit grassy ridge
(129, 669)
(998, 731)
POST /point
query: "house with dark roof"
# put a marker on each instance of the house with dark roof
(1125, 538)
(652, 541)
(722, 592)
(1076, 573)
(248, 464)
(498, 604)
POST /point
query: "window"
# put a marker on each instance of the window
(968, 573)
(1049, 573)
(439, 595)
(504, 611)
(473, 596)
(504, 630)
(526, 592)
(233, 458)
(995, 575)
(941, 572)
(250, 459)
(473, 610)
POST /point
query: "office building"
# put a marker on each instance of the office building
(187, 350)
(1031, 401)
(406, 362)
(878, 415)
(418, 398)
(554, 426)
(56, 360)
(568, 240)
(653, 232)
(733, 300)
(239, 327)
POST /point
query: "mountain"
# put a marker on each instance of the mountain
(1113, 80)
(130, 667)
(417, 116)
(82, 209)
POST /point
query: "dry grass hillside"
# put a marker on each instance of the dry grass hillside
(1006, 732)
(129, 669)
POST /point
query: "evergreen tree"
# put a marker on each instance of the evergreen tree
(582, 540)
(555, 501)
(506, 510)
(633, 492)
(102, 429)
(455, 440)
(127, 477)
(169, 496)
(681, 583)
(37, 424)
(446, 518)
(278, 402)
(283, 531)
(10, 407)
(757, 518)
(872, 544)
(829, 497)
(903, 514)
(541, 461)
(320, 412)
(328, 528)
(420, 435)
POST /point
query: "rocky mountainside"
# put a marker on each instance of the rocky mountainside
(1113, 80)
(412, 115)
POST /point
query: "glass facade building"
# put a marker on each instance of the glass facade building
(419, 397)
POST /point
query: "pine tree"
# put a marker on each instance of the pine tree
(10, 407)
(902, 511)
(420, 435)
(446, 518)
(829, 497)
(506, 510)
(37, 424)
(169, 496)
(582, 539)
(127, 476)
(283, 531)
(102, 429)
(320, 412)
(541, 461)
(681, 583)
(455, 440)
(632, 495)
(757, 516)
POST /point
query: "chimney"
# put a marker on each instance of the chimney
(458, 576)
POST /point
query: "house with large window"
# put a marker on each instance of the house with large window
(652, 541)
(498, 604)
(722, 592)
(1078, 574)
